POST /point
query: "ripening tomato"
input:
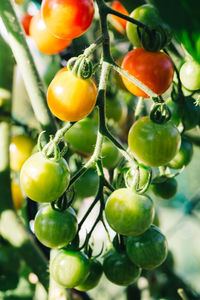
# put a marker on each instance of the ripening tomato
(17, 195)
(153, 144)
(190, 75)
(129, 213)
(119, 23)
(44, 180)
(21, 147)
(25, 21)
(148, 250)
(153, 69)
(67, 19)
(46, 42)
(71, 98)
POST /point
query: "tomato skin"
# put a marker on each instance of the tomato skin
(184, 156)
(21, 147)
(82, 136)
(44, 40)
(25, 21)
(68, 19)
(119, 269)
(70, 268)
(119, 23)
(166, 189)
(153, 144)
(110, 155)
(190, 75)
(129, 213)
(55, 229)
(154, 69)
(87, 185)
(44, 180)
(71, 98)
(116, 110)
(17, 195)
(96, 271)
(148, 250)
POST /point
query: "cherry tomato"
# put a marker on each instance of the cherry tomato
(116, 110)
(21, 147)
(17, 195)
(87, 185)
(190, 75)
(176, 111)
(82, 136)
(166, 189)
(117, 76)
(153, 144)
(110, 155)
(184, 156)
(154, 69)
(119, 23)
(46, 42)
(148, 250)
(119, 269)
(70, 268)
(55, 229)
(95, 273)
(25, 21)
(129, 213)
(71, 98)
(190, 113)
(44, 180)
(67, 19)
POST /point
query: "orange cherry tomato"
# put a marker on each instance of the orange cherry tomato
(67, 19)
(154, 69)
(17, 195)
(46, 42)
(71, 98)
(119, 23)
(25, 21)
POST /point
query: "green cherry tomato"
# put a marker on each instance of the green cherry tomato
(44, 180)
(176, 111)
(184, 156)
(129, 213)
(110, 155)
(148, 250)
(82, 136)
(166, 189)
(70, 268)
(153, 144)
(95, 273)
(119, 269)
(87, 185)
(190, 75)
(55, 228)
(116, 110)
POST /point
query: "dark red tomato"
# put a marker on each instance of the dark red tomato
(119, 23)
(25, 21)
(148, 250)
(119, 269)
(154, 69)
(166, 189)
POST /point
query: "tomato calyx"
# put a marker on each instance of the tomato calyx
(64, 202)
(133, 179)
(119, 243)
(80, 66)
(160, 113)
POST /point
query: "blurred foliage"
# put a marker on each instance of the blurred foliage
(6, 65)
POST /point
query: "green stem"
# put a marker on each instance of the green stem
(139, 108)
(182, 294)
(27, 67)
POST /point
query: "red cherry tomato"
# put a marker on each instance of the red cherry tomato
(46, 42)
(67, 19)
(25, 21)
(119, 23)
(154, 69)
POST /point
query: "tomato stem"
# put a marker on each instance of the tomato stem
(182, 294)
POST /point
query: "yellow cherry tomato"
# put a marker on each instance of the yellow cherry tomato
(17, 195)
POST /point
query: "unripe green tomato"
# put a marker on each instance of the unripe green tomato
(95, 273)
(129, 213)
(55, 229)
(87, 185)
(110, 155)
(146, 14)
(190, 75)
(184, 156)
(116, 110)
(190, 114)
(119, 269)
(153, 144)
(148, 250)
(82, 136)
(70, 268)
(176, 111)
(166, 189)
(44, 180)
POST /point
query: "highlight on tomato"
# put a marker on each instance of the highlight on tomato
(46, 42)
(67, 19)
(71, 98)
(25, 21)
(118, 23)
(153, 69)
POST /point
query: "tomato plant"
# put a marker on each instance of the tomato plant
(71, 98)
(44, 180)
(118, 23)
(166, 189)
(68, 19)
(184, 156)
(129, 213)
(153, 144)
(190, 74)
(148, 250)
(157, 75)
